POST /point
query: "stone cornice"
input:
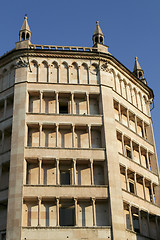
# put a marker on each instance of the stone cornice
(94, 55)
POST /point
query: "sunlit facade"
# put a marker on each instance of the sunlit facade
(77, 151)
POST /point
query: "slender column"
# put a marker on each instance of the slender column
(149, 231)
(132, 155)
(5, 107)
(140, 222)
(92, 173)
(3, 140)
(126, 178)
(25, 172)
(57, 210)
(148, 164)
(157, 228)
(89, 136)
(0, 170)
(87, 99)
(74, 171)
(135, 182)
(130, 216)
(72, 103)
(57, 128)
(140, 154)
(119, 112)
(40, 135)
(136, 123)
(57, 171)
(144, 190)
(76, 216)
(123, 147)
(94, 211)
(144, 135)
(40, 170)
(89, 75)
(73, 136)
(69, 72)
(57, 103)
(49, 70)
(152, 192)
(79, 74)
(41, 97)
(38, 73)
(58, 73)
(128, 117)
(39, 211)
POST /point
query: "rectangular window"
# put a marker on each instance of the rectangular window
(67, 216)
(131, 187)
(135, 223)
(128, 153)
(63, 107)
(65, 177)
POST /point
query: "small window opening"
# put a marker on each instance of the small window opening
(65, 177)
(136, 223)
(131, 187)
(66, 216)
(23, 36)
(101, 40)
(96, 39)
(128, 152)
(140, 75)
(27, 36)
(63, 107)
(3, 236)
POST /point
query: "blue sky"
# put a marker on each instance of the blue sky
(131, 28)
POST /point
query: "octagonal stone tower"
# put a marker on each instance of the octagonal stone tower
(77, 151)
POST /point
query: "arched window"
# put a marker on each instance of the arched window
(129, 93)
(113, 79)
(145, 105)
(84, 74)
(94, 78)
(139, 101)
(134, 97)
(5, 79)
(64, 78)
(1, 82)
(11, 76)
(44, 72)
(33, 75)
(123, 88)
(74, 75)
(54, 73)
(118, 88)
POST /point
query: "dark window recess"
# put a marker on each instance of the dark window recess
(63, 107)
(131, 187)
(128, 153)
(66, 216)
(136, 223)
(3, 236)
(65, 177)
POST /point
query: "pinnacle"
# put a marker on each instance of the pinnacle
(25, 25)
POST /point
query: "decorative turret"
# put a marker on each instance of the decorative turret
(98, 39)
(25, 32)
(98, 36)
(138, 72)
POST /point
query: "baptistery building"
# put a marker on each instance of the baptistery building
(77, 152)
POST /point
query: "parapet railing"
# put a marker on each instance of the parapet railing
(63, 48)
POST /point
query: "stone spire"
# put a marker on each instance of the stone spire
(98, 36)
(138, 72)
(25, 32)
